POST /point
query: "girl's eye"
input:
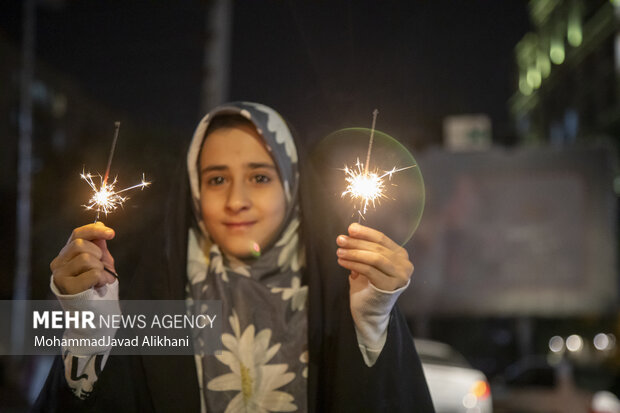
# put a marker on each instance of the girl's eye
(262, 179)
(216, 180)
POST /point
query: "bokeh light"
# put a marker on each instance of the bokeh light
(612, 341)
(574, 343)
(556, 344)
(534, 78)
(543, 64)
(556, 53)
(601, 341)
(524, 87)
(470, 401)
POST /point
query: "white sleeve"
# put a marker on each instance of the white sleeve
(370, 308)
(84, 364)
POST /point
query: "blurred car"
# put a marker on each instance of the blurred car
(605, 402)
(454, 385)
(533, 385)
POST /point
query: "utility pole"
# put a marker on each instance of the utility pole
(216, 61)
(21, 285)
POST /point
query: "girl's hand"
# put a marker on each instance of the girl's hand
(80, 264)
(371, 253)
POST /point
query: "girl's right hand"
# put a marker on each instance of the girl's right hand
(80, 264)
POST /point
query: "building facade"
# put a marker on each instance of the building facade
(568, 86)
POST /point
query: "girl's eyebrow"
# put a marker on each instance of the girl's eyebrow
(251, 165)
(256, 165)
(213, 168)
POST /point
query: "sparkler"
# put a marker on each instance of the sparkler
(365, 186)
(105, 198)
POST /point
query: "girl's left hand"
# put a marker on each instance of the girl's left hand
(371, 253)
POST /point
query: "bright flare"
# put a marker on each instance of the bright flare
(105, 199)
(367, 187)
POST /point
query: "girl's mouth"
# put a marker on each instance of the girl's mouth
(239, 225)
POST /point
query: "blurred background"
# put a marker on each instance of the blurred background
(511, 108)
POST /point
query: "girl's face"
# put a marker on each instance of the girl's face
(241, 195)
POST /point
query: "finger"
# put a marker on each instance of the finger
(91, 278)
(361, 232)
(378, 279)
(354, 275)
(108, 277)
(345, 241)
(92, 231)
(371, 273)
(111, 276)
(373, 259)
(76, 247)
(79, 264)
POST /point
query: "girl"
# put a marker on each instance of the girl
(299, 335)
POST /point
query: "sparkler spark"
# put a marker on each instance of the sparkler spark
(365, 186)
(105, 198)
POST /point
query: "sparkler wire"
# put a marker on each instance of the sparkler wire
(117, 127)
(365, 185)
(372, 135)
(105, 198)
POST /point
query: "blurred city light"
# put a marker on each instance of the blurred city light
(481, 389)
(574, 343)
(556, 344)
(543, 64)
(524, 87)
(601, 341)
(556, 53)
(574, 33)
(469, 401)
(575, 36)
(533, 78)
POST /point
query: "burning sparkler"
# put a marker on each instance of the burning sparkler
(365, 186)
(105, 198)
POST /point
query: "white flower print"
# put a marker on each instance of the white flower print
(196, 259)
(290, 255)
(255, 380)
(276, 125)
(304, 358)
(217, 263)
(239, 266)
(287, 190)
(297, 293)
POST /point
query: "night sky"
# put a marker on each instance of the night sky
(324, 65)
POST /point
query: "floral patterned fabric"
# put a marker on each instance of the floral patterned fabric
(263, 365)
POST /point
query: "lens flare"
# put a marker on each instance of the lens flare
(364, 186)
(346, 188)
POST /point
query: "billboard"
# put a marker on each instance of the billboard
(524, 232)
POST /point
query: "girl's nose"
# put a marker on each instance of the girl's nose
(238, 198)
